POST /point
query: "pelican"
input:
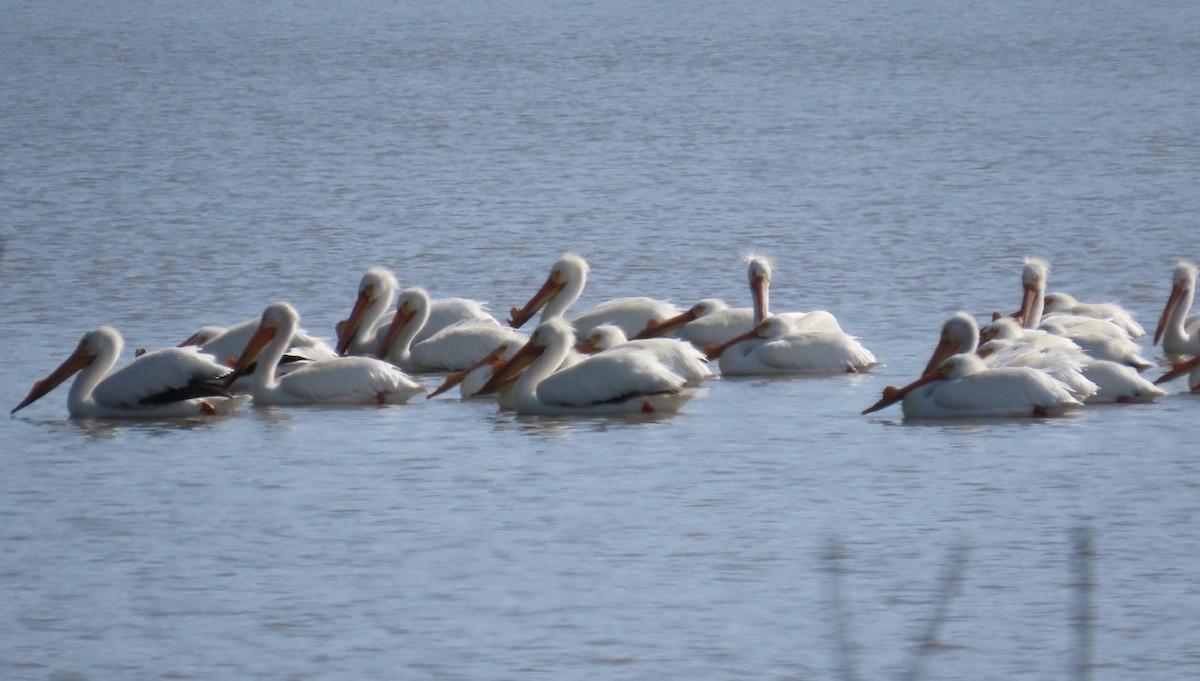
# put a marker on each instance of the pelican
(1060, 303)
(364, 330)
(709, 322)
(471, 379)
(1098, 337)
(963, 386)
(776, 346)
(1180, 333)
(681, 356)
(564, 286)
(452, 348)
(172, 382)
(341, 380)
(606, 383)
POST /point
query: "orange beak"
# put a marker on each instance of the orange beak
(944, 349)
(511, 370)
(892, 394)
(587, 346)
(198, 338)
(458, 376)
(654, 330)
(1027, 301)
(554, 284)
(404, 315)
(758, 288)
(1177, 293)
(1178, 370)
(347, 329)
(254, 348)
(715, 351)
(70, 366)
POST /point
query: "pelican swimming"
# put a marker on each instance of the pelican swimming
(1179, 332)
(776, 346)
(709, 322)
(364, 330)
(1097, 337)
(472, 378)
(341, 380)
(605, 383)
(450, 349)
(963, 386)
(172, 382)
(1057, 303)
(226, 343)
(681, 356)
(563, 287)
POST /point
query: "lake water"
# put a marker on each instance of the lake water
(166, 165)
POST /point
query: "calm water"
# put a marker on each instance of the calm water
(167, 165)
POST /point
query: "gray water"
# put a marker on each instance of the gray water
(166, 165)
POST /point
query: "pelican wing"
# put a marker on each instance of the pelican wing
(609, 377)
(347, 379)
(162, 376)
(718, 328)
(680, 356)
(1011, 391)
(446, 312)
(816, 352)
(460, 345)
(631, 315)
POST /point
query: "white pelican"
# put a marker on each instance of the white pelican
(172, 382)
(962, 386)
(1180, 333)
(452, 348)
(564, 286)
(470, 379)
(775, 346)
(362, 332)
(1060, 303)
(1098, 337)
(606, 383)
(342, 380)
(709, 322)
(681, 356)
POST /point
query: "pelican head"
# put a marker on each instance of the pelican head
(960, 333)
(759, 272)
(569, 273)
(412, 311)
(601, 338)
(1033, 281)
(104, 340)
(202, 336)
(375, 289)
(954, 366)
(704, 307)
(1183, 282)
(278, 319)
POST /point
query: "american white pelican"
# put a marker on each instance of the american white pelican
(709, 322)
(759, 271)
(962, 386)
(564, 286)
(364, 330)
(471, 379)
(681, 356)
(1179, 332)
(342, 380)
(775, 346)
(1010, 345)
(452, 348)
(1060, 303)
(1098, 337)
(163, 383)
(606, 383)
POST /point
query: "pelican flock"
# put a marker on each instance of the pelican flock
(629, 356)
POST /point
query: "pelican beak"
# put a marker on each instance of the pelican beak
(587, 346)
(892, 394)
(945, 347)
(404, 315)
(348, 329)
(1177, 293)
(1178, 370)
(659, 329)
(70, 366)
(758, 288)
(511, 370)
(254, 348)
(458, 376)
(553, 286)
(198, 338)
(715, 351)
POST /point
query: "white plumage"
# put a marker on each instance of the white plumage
(451, 348)
(776, 346)
(1058, 303)
(681, 356)
(607, 383)
(226, 343)
(962, 386)
(563, 287)
(173, 382)
(342, 380)
(1179, 331)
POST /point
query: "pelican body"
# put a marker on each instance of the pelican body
(776, 346)
(341, 380)
(681, 356)
(173, 382)
(452, 348)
